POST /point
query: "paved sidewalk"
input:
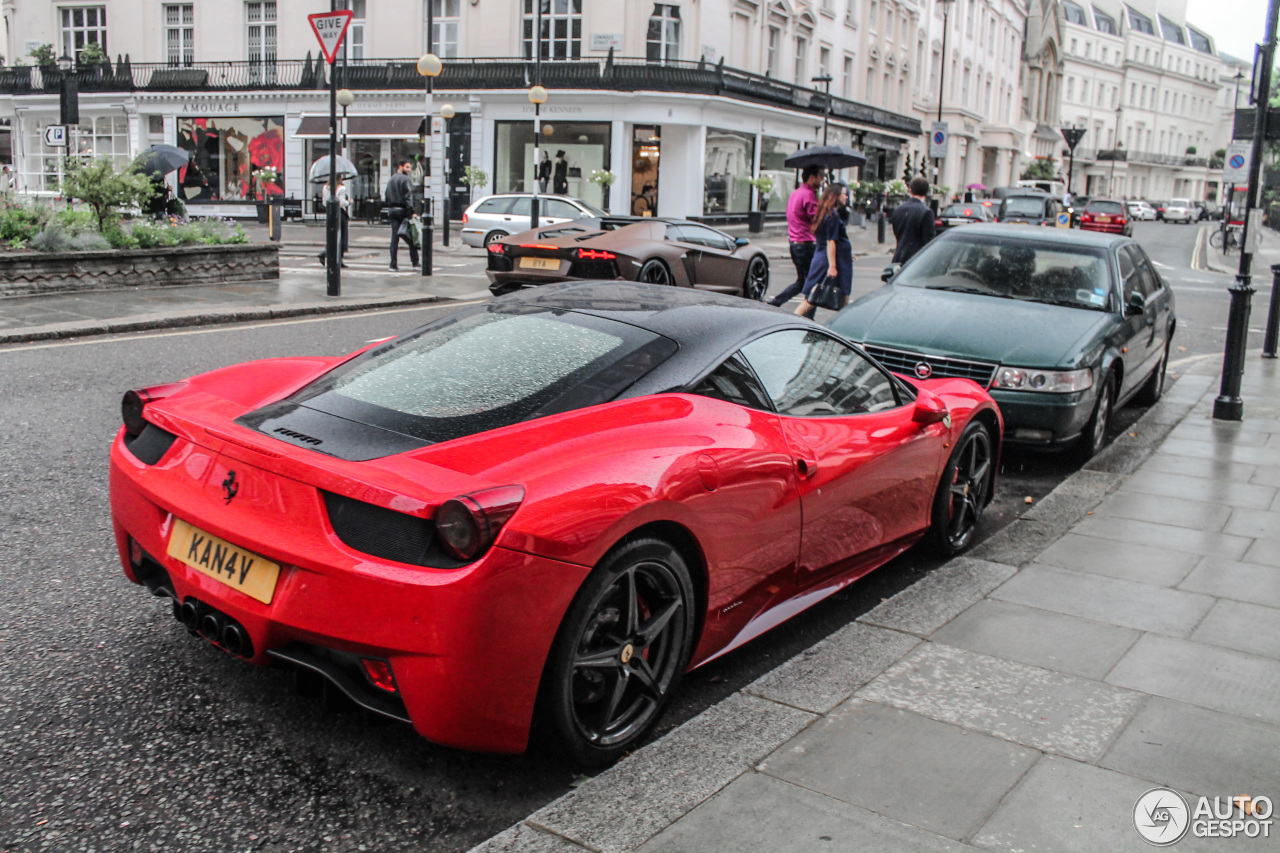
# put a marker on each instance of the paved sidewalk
(1123, 635)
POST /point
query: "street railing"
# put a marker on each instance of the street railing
(609, 73)
(1106, 155)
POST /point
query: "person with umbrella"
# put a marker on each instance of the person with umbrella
(344, 217)
(833, 253)
(801, 207)
(157, 162)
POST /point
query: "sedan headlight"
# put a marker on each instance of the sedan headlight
(1048, 381)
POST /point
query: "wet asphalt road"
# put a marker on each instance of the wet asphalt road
(118, 731)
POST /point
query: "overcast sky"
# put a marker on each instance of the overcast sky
(1236, 25)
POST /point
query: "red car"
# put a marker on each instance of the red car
(553, 504)
(1106, 214)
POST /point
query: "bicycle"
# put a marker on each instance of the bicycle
(1228, 237)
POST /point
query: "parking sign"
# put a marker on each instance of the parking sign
(1235, 167)
(55, 136)
(938, 139)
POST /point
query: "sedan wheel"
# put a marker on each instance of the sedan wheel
(1095, 432)
(620, 652)
(654, 272)
(964, 492)
(493, 235)
(757, 283)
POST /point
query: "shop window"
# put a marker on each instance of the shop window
(232, 159)
(82, 26)
(585, 146)
(663, 41)
(772, 154)
(561, 36)
(179, 33)
(444, 26)
(728, 166)
(104, 137)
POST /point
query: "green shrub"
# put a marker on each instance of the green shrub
(56, 238)
(97, 183)
(20, 223)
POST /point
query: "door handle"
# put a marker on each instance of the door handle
(806, 467)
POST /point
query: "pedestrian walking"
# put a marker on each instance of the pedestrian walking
(344, 217)
(833, 253)
(560, 185)
(912, 223)
(801, 207)
(399, 198)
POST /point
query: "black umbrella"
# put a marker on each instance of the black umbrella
(160, 160)
(825, 156)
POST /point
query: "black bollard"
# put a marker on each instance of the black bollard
(880, 228)
(1273, 316)
(444, 228)
(428, 235)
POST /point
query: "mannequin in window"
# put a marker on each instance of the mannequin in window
(544, 172)
(560, 185)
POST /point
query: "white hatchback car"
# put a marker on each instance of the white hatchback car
(1141, 211)
(495, 216)
(1180, 210)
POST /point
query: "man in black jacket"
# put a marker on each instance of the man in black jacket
(399, 198)
(912, 223)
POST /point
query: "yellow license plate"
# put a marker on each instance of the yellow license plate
(539, 264)
(253, 575)
(1104, 219)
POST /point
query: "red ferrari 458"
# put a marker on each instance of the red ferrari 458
(546, 507)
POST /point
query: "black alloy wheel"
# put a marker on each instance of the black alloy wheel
(654, 272)
(965, 490)
(757, 283)
(1094, 436)
(620, 652)
(493, 235)
(1153, 389)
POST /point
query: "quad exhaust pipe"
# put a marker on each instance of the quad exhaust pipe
(216, 627)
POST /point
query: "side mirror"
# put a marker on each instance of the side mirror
(1136, 303)
(929, 409)
(740, 242)
(890, 271)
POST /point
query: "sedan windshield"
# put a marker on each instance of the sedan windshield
(1054, 273)
(488, 369)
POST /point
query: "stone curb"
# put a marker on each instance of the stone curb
(219, 316)
(676, 773)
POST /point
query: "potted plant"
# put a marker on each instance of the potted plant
(605, 179)
(763, 185)
(474, 177)
(260, 178)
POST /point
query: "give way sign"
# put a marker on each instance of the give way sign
(329, 28)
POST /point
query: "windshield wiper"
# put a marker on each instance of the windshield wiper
(953, 288)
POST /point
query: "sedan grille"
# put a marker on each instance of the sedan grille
(902, 361)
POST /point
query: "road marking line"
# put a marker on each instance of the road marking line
(117, 337)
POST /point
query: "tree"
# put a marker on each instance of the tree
(1041, 169)
(97, 183)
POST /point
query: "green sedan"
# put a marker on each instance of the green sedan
(1061, 326)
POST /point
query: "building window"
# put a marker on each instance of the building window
(561, 36)
(851, 13)
(261, 17)
(1140, 23)
(846, 84)
(1074, 13)
(179, 34)
(1200, 41)
(728, 164)
(106, 137)
(802, 59)
(81, 26)
(1172, 31)
(824, 62)
(771, 53)
(663, 42)
(353, 44)
(444, 28)
(231, 157)
(1106, 23)
(1071, 88)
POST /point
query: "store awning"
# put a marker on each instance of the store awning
(362, 127)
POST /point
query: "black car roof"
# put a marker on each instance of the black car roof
(1022, 234)
(706, 326)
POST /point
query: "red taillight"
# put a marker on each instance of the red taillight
(968, 212)
(1086, 217)
(937, 222)
(379, 672)
(469, 524)
(464, 218)
(1119, 220)
(135, 401)
(595, 255)
(497, 248)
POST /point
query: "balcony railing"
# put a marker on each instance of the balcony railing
(1150, 158)
(615, 74)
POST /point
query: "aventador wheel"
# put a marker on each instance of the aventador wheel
(620, 652)
(654, 272)
(757, 283)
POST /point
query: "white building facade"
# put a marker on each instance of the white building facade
(683, 101)
(1146, 87)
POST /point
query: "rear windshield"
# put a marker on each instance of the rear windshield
(1105, 207)
(1054, 273)
(969, 210)
(488, 369)
(1024, 206)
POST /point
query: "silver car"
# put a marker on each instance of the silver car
(1180, 210)
(496, 216)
